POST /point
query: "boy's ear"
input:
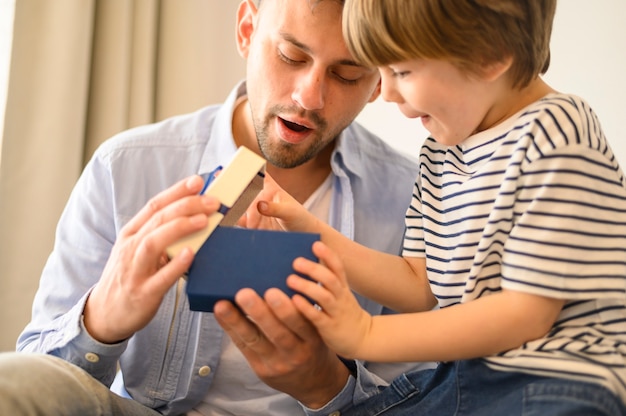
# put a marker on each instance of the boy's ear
(246, 20)
(495, 70)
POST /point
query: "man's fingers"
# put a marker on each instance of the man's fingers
(268, 316)
(170, 272)
(287, 313)
(243, 332)
(186, 208)
(185, 187)
(150, 247)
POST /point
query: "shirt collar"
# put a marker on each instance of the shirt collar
(346, 157)
(221, 147)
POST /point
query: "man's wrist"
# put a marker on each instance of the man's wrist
(337, 382)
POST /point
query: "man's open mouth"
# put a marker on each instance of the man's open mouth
(294, 126)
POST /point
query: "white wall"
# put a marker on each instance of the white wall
(588, 59)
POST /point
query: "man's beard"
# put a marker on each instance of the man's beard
(286, 155)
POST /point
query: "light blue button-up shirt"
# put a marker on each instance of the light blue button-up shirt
(167, 365)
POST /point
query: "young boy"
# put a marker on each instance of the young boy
(516, 229)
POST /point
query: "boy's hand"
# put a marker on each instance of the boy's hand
(337, 315)
(275, 209)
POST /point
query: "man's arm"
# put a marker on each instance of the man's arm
(92, 266)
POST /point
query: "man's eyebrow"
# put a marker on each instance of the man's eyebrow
(289, 38)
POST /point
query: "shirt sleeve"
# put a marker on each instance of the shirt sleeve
(85, 235)
(567, 241)
(356, 390)
(369, 379)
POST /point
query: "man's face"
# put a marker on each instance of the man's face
(303, 85)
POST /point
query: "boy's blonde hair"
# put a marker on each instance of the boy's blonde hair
(471, 34)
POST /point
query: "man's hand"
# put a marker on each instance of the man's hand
(282, 347)
(138, 274)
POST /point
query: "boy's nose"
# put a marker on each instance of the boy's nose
(388, 89)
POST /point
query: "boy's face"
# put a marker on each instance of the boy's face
(452, 104)
(304, 87)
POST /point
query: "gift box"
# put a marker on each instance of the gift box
(234, 258)
(228, 258)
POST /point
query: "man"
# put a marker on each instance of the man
(108, 296)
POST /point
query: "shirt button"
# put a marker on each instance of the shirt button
(204, 371)
(337, 413)
(91, 357)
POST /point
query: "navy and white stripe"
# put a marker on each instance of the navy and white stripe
(536, 204)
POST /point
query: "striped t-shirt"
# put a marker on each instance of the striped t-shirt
(536, 204)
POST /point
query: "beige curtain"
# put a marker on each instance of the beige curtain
(81, 71)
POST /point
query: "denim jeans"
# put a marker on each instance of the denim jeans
(38, 385)
(465, 388)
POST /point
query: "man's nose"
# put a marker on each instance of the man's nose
(310, 90)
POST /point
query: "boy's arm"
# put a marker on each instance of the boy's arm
(482, 327)
(479, 328)
(408, 291)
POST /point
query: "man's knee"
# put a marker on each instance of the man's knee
(31, 371)
(32, 384)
